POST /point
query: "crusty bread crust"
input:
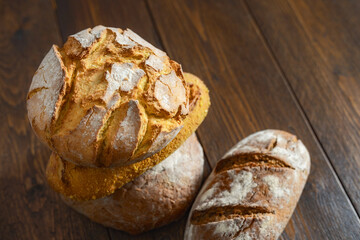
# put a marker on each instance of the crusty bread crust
(83, 183)
(47, 88)
(107, 98)
(253, 190)
(157, 197)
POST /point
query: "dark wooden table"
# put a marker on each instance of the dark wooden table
(283, 64)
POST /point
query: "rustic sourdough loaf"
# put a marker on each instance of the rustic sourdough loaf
(84, 183)
(157, 197)
(253, 190)
(107, 98)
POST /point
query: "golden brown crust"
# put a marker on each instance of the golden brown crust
(107, 68)
(157, 197)
(83, 183)
(253, 190)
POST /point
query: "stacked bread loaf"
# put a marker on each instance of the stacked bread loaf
(119, 116)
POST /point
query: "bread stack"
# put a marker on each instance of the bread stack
(120, 118)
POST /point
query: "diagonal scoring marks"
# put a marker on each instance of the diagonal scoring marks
(34, 91)
(250, 160)
(216, 214)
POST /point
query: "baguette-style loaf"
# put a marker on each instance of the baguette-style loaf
(253, 190)
(157, 197)
(107, 98)
(85, 183)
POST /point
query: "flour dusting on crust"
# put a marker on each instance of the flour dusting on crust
(127, 136)
(241, 184)
(88, 36)
(278, 188)
(48, 82)
(155, 62)
(85, 38)
(170, 166)
(170, 92)
(227, 229)
(84, 135)
(125, 41)
(97, 31)
(133, 36)
(123, 76)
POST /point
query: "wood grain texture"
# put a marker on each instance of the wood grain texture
(242, 51)
(29, 209)
(318, 43)
(218, 41)
(74, 16)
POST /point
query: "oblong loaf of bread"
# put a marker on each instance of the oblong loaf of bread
(253, 190)
(157, 197)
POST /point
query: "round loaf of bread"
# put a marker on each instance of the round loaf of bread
(157, 197)
(85, 183)
(107, 98)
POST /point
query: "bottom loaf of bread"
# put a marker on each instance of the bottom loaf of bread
(157, 197)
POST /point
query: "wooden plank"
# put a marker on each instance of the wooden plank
(218, 41)
(128, 14)
(317, 46)
(78, 15)
(29, 208)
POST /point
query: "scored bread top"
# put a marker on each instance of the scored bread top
(253, 190)
(107, 98)
(84, 183)
(276, 143)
